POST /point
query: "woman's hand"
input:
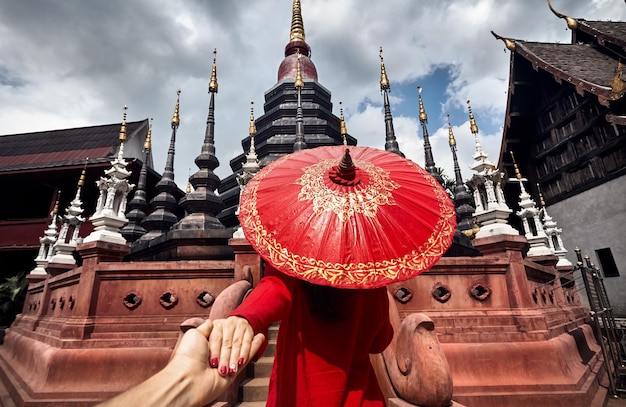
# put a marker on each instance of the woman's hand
(232, 344)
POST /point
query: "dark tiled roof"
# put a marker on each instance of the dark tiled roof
(605, 31)
(582, 65)
(60, 147)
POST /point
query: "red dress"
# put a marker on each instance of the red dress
(319, 363)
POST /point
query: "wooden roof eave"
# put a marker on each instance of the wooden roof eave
(603, 93)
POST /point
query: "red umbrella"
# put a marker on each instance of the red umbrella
(364, 220)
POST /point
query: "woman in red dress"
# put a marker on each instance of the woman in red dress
(326, 335)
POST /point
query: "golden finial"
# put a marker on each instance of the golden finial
(572, 24)
(176, 117)
(188, 189)
(81, 180)
(384, 81)
(451, 139)
(343, 128)
(618, 86)
(473, 125)
(213, 81)
(123, 127)
(299, 83)
(56, 204)
(252, 130)
(147, 145)
(508, 43)
(541, 201)
(297, 25)
(423, 115)
(518, 175)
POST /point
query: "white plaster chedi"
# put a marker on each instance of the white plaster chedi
(529, 214)
(68, 239)
(553, 233)
(47, 242)
(250, 167)
(114, 188)
(491, 212)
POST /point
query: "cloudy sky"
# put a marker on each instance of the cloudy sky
(72, 63)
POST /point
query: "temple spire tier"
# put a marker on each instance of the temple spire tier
(138, 205)
(202, 204)
(391, 144)
(300, 144)
(462, 199)
(163, 205)
(429, 160)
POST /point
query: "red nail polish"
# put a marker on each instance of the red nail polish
(231, 371)
(223, 370)
(241, 360)
(214, 362)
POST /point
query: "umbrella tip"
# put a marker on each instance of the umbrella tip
(345, 172)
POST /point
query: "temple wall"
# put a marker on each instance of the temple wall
(596, 219)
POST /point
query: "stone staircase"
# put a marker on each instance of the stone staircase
(253, 391)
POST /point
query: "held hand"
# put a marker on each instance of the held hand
(232, 344)
(187, 380)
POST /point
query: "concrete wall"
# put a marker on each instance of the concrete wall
(596, 219)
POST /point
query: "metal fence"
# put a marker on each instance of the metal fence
(610, 335)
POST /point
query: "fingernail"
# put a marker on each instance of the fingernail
(223, 370)
(214, 362)
(241, 361)
(232, 369)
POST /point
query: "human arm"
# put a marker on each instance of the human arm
(269, 302)
(187, 380)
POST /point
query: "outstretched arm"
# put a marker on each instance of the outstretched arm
(187, 380)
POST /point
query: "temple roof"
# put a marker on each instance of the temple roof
(55, 148)
(611, 32)
(582, 65)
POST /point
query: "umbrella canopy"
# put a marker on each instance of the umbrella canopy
(349, 218)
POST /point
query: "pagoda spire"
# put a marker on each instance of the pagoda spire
(162, 217)
(297, 24)
(250, 167)
(554, 234)
(481, 163)
(202, 204)
(462, 199)
(65, 245)
(343, 130)
(391, 144)
(428, 151)
(114, 187)
(529, 214)
(300, 144)
(297, 37)
(297, 49)
(491, 211)
(138, 205)
(47, 242)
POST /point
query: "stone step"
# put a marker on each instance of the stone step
(254, 389)
(251, 404)
(263, 366)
